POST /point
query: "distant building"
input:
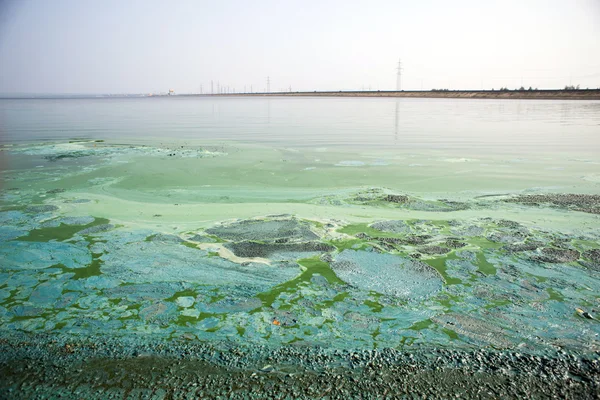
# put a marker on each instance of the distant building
(171, 92)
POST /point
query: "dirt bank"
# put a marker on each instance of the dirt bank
(585, 94)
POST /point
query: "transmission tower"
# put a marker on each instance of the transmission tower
(268, 85)
(399, 76)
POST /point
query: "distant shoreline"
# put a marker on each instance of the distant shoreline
(581, 94)
(551, 94)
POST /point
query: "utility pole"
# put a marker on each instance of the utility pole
(212, 89)
(399, 76)
(268, 84)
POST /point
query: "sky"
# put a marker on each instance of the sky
(148, 46)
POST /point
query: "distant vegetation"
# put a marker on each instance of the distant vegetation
(522, 88)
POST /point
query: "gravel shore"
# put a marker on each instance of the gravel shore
(40, 367)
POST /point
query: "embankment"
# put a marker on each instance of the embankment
(584, 94)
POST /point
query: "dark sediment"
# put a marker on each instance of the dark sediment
(414, 240)
(265, 230)
(41, 208)
(396, 198)
(397, 226)
(74, 154)
(505, 223)
(55, 191)
(588, 203)
(433, 250)
(507, 237)
(593, 255)
(265, 250)
(592, 259)
(454, 243)
(530, 245)
(554, 255)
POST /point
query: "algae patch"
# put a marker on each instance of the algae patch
(61, 232)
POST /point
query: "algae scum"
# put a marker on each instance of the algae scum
(474, 281)
(137, 270)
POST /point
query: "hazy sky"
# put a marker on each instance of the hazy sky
(127, 46)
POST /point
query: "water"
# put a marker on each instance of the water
(340, 222)
(482, 126)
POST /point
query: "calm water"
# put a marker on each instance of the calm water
(480, 125)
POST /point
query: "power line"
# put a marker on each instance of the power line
(399, 76)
